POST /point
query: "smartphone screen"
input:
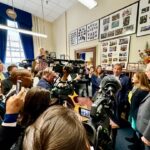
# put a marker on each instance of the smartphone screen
(18, 86)
(84, 112)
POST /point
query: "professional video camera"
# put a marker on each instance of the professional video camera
(26, 63)
(101, 110)
(72, 66)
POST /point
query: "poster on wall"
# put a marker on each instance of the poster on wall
(73, 37)
(144, 18)
(115, 51)
(119, 23)
(82, 34)
(93, 30)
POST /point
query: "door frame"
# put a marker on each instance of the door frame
(91, 49)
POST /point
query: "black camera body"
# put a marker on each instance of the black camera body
(101, 110)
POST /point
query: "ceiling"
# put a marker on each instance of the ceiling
(52, 8)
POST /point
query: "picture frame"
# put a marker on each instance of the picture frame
(73, 37)
(82, 33)
(93, 31)
(62, 56)
(143, 18)
(115, 51)
(119, 23)
(132, 66)
(52, 54)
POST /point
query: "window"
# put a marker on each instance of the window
(14, 49)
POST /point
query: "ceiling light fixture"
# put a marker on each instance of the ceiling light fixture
(89, 3)
(11, 13)
(23, 31)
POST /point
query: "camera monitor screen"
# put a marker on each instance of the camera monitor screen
(84, 112)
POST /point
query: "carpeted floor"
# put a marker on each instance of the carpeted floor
(121, 143)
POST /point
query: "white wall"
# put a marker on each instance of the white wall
(42, 27)
(79, 15)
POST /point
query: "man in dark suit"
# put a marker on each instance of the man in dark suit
(121, 107)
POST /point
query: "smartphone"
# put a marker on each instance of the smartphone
(18, 86)
(84, 112)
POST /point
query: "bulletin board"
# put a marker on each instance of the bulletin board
(144, 18)
(120, 23)
(115, 51)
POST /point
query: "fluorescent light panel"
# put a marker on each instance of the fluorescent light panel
(23, 31)
(88, 3)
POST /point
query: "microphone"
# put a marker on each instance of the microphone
(110, 83)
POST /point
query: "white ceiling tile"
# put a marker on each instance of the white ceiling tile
(52, 8)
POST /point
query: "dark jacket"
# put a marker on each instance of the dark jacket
(45, 84)
(6, 85)
(121, 106)
(8, 136)
(96, 82)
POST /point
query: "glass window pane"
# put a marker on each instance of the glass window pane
(8, 54)
(14, 44)
(15, 60)
(8, 60)
(22, 54)
(14, 51)
(15, 54)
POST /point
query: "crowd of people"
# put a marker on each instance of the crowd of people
(36, 122)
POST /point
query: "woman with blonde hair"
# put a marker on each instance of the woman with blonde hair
(139, 92)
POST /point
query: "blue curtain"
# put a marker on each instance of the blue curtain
(24, 21)
(27, 42)
(3, 40)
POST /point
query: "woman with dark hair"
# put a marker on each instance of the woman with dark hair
(37, 100)
(96, 79)
(58, 128)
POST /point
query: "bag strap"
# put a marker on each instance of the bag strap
(148, 96)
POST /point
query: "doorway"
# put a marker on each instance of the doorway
(87, 54)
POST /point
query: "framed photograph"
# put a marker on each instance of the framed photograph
(62, 56)
(115, 51)
(93, 30)
(82, 34)
(144, 18)
(120, 23)
(132, 67)
(73, 37)
(52, 54)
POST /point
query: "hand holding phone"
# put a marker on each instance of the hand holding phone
(18, 86)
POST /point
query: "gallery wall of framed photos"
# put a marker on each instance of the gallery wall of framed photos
(81, 34)
(120, 23)
(73, 37)
(144, 18)
(93, 30)
(115, 51)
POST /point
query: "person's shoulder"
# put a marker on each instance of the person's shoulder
(124, 76)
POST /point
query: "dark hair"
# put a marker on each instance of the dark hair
(11, 67)
(118, 65)
(58, 128)
(37, 100)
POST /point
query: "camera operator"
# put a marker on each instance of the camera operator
(47, 80)
(41, 62)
